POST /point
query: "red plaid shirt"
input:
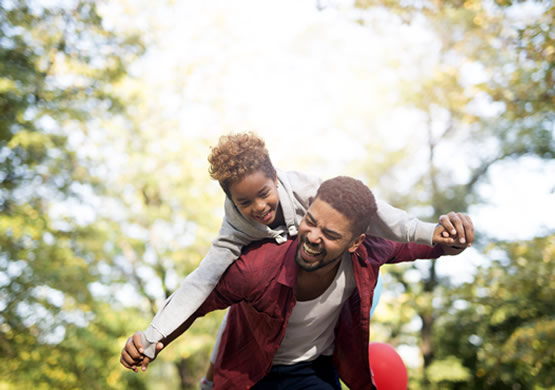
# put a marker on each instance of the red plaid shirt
(261, 286)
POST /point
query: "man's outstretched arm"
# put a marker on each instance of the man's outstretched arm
(408, 252)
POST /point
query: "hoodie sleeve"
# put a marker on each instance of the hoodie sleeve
(198, 285)
(397, 225)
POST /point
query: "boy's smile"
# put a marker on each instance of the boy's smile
(256, 197)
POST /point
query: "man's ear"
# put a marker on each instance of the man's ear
(356, 243)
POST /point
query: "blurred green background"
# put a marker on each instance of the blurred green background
(108, 110)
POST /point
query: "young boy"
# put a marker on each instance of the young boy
(263, 203)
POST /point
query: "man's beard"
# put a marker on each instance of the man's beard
(313, 266)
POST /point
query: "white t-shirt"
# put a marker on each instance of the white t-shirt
(310, 330)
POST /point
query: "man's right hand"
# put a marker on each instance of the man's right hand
(132, 355)
(454, 229)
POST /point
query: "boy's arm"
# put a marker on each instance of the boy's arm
(233, 287)
(397, 225)
(134, 354)
(196, 287)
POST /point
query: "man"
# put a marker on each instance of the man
(300, 311)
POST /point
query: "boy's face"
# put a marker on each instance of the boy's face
(256, 197)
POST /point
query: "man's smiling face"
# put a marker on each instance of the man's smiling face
(324, 235)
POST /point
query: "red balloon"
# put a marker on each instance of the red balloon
(387, 366)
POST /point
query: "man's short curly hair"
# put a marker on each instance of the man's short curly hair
(238, 155)
(352, 198)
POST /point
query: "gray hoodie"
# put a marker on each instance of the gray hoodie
(295, 190)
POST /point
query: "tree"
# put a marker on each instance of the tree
(489, 90)
(168, 212)
(168, 225)
(58, 65)
(502, 326)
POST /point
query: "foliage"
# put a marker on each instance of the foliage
(505, 330)
(57, 68)
(485, 85)
(168, 213)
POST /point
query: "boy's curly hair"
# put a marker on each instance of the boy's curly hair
(238, 155)
(352, 198)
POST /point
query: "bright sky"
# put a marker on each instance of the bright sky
(284, 69)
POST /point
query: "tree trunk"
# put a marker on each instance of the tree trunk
(185, 380)
(430, 284)
(428, 320)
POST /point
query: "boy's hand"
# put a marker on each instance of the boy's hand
(132, 353)
(454, 229)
